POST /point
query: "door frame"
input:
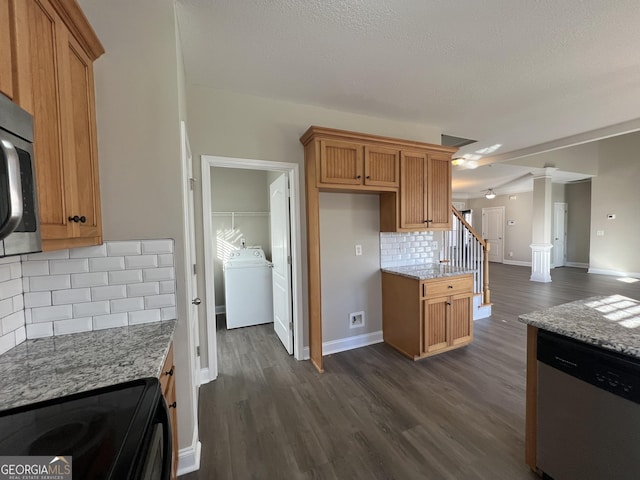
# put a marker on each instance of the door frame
(293, 170)
(503, 230)
(565, 214)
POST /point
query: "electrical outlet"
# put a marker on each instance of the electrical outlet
(356, 319)
(358, 250)
(510, 254)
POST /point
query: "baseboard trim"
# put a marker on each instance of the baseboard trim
(189, 459)
(221, 309)
(614, 273)
(518, 263)
(348, 343)
(204, 376)
(577, 264)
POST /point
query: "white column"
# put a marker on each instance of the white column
(541, 226)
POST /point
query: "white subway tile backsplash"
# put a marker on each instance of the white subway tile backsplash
(21, 335)
(167, 287)
(110, 321)
(143, 289)
(75, 325)
(406, 248)
(18, 303)
(54, 255)
(5, 273)
(106, 264)
(72, 265)
(121, 249)
(6, 307)
(157, 246)
(51, 314)
(168, 313)
(51, 282)
(95, 279)
(74, 295)
(13, 322)
(125, 277)
(144, 316)
(11, 288)
(27, 316)
(91, 308)
(89, 252)
(25, 284)
(7, 342)
(165, 260)
(39, 330)
(108, 293)
(127, 305)
(141, 261)
(16, 270)
(157, 301)
(157, 274)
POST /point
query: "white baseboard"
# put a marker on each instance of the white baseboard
(348, 343)
(577, 264)
(614, 273)
(518, 263)
(204, 376)
(189, 459)
(221, 309)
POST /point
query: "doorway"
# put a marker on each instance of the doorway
(493, 231)
(560, 213)
(291, 175)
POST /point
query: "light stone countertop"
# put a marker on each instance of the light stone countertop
(52, 367)
(611, 322)
(427, 271)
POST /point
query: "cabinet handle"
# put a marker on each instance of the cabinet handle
(368, 176)
(83, 219)
(449, 303)
(169, 372)
(75, 218)
(424, 290)
(172, 405)
(359, 176)
(450, 286)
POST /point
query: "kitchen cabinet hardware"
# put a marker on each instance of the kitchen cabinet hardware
(450, 286)
(172, 405)
(169, 372)
(77, 219)
(196, 301)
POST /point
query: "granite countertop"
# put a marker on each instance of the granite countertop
(427, 271)
(52, 367)
(611, 322)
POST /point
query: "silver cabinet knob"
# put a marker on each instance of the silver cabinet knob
(196, 301)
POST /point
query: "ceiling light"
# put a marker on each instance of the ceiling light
(488, 150)
(490, 194)
(457, 161)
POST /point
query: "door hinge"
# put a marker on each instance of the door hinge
(291, 326)
(289, 259)
(191, 182)
(198, 350)
(194, 268)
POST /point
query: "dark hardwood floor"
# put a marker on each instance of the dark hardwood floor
(375, 414)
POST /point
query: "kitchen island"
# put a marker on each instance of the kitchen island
(46, 368)
(427, 309)
(601, 338)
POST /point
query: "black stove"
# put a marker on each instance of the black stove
(110, 433)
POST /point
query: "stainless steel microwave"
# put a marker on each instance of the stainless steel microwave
(19, 222)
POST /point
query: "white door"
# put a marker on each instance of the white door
(192, 279)
(560, 211)
(280, 255)
(493, 231)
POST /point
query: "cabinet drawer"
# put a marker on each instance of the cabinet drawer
(168, 371)
(447, 286)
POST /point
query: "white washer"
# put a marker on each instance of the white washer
(247, 288)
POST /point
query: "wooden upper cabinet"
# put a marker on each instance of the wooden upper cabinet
(54, 61)
(6, 50)
(340, 163)
(381, 166)
(413, 201)
(439, 191)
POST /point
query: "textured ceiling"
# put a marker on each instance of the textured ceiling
(515, 72)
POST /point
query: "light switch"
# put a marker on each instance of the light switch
(600, 233)
(358, 250)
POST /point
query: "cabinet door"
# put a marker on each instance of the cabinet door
(42, 33)
(461, 318)
(6, 54)
(340, 163)
(381, 167)
(413, 176)
(83, 196)
(439, 192)
(435, 328)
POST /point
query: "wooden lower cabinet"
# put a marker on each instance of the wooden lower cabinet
(423, 318)
(168, 385)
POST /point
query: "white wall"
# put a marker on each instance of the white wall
(227, 124)
(238, 190)
(578, 197)
(615, 190)
(138, 103)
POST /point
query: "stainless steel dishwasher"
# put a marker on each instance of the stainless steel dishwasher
(588, 411)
